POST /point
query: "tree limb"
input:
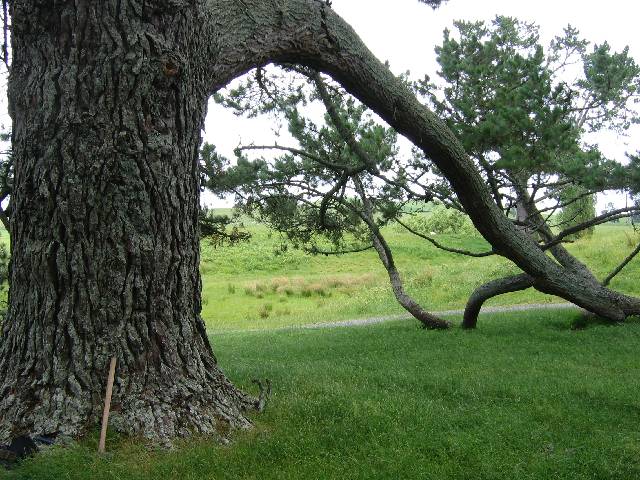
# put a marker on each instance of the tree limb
(442, 247)
(620, 267)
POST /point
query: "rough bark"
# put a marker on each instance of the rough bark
(489, 290)
(107, 99)
(107, 109)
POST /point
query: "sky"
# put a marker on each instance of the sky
(405, 32)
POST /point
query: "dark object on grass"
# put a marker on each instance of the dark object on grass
(20, 447)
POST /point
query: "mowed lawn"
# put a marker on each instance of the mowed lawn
(524, 397)
(256, 285)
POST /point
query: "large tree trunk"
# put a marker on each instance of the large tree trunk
(108, 99)
(107, 113)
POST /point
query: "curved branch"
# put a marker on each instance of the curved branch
(442, 247)
(492, 289)
(427, 319)
(308, 32)
(326, 199)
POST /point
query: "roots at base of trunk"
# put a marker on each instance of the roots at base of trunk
(158, 414)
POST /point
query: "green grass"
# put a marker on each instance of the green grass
(240, 283)
(524, 397)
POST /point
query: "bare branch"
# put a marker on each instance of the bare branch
(442, 247)
(316, 251)
(620, 267)
(604, 218)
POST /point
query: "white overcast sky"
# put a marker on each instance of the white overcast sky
(405, 32)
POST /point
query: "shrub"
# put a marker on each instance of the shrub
(265, 310)
(442, 220)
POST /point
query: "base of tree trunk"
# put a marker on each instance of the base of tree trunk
(210, 407)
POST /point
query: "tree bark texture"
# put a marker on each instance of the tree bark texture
(108, 109)
(108, 99)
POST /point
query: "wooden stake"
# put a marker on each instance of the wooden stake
(107, 405)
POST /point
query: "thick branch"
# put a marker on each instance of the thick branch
(492, 289)
(308, 32)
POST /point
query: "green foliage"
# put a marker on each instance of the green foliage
(524, 397)
(581, 207)
(506, 97)
(503, 93)
(308, 193)
(221, 229)
(433, 3)
(441, 220)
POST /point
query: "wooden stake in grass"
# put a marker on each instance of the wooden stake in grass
(107, 405)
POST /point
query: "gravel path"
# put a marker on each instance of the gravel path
(405, 316)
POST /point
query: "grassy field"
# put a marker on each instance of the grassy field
(255, 285)
(524, 397)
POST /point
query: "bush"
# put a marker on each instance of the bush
(442, 220)
(580, 208)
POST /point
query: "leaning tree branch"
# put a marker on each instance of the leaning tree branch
(600, 219)
(427, 319)
(302, 31)
(622, 265)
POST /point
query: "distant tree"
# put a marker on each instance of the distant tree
(579, 208)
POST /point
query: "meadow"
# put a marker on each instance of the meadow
(259, 285)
